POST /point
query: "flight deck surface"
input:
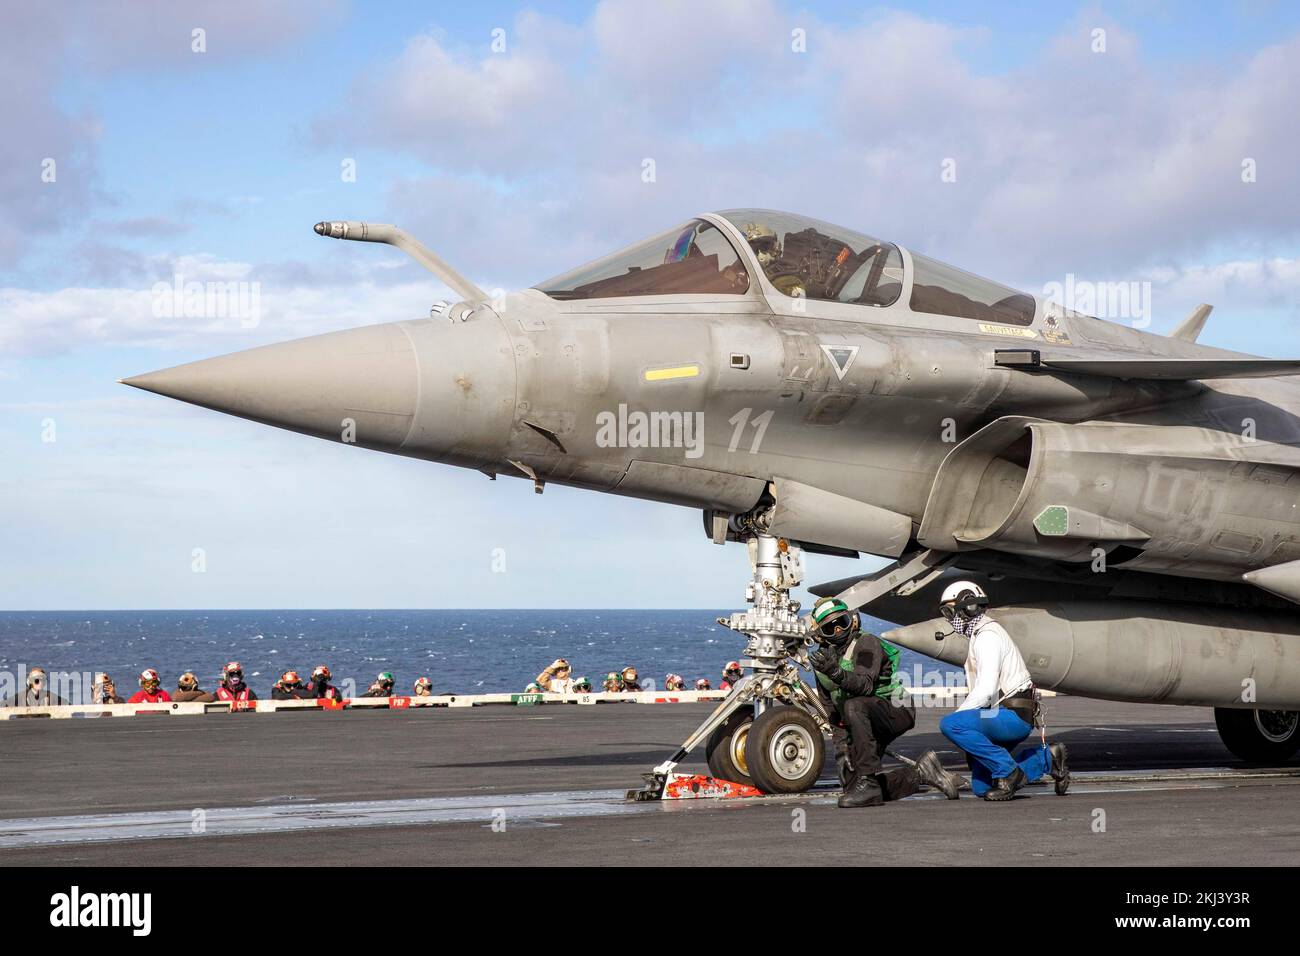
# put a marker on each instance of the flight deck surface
(544, 784)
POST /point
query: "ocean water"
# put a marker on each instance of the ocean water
(461, 651)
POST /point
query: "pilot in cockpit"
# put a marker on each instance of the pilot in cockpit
(767, 248)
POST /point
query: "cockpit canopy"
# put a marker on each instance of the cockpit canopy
(807, 258)
(802, 258)
(693, 257)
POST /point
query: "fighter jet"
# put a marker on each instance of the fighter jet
(1130, 501)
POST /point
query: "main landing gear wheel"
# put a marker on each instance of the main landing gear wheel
(726, 748)
(785, 750)
(1259, 736)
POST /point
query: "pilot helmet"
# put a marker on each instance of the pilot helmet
(763, 241)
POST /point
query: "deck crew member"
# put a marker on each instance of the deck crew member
(1000, 707)
(290, 687)
(731, 674)
(857, 681)
(556, 677)
(37, 693)
(320, 686)
(150, 691)
(104, 691)
(187, 689)
(232, 686)
(382, 687)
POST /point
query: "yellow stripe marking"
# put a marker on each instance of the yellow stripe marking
(677, 371)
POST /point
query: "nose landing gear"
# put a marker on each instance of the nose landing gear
(770, 732)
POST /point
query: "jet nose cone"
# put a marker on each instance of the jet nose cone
(360, 385)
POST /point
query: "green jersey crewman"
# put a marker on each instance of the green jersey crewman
(857, 680)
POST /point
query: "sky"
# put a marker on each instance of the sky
(1107, 142)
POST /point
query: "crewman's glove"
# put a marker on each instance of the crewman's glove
(826, 661)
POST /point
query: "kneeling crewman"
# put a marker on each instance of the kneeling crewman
(1000, 707)
(857, 680)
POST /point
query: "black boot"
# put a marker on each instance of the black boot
(1004, 788)
(865, 792)
(933, 774)
(1060, 768)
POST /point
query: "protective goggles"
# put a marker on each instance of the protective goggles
(234, 675)
(835, 624)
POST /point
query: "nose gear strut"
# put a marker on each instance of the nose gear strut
(778, 642)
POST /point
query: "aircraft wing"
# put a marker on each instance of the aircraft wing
(1144, 367)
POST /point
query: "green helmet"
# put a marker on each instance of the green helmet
(827, 606)
(582, 683)
(533, 687)
(835, 622)
(385, 677)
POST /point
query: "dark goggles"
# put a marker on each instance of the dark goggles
(835, 624)
(949, 611)
(234, 675)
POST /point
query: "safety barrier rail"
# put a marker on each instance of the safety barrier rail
(268, 706)
(195, 708)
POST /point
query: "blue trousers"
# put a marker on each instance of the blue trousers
(987, 738)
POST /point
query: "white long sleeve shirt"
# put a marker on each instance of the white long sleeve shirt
(993, 664)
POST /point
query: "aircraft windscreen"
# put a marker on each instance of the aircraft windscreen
(807, 258)
(694, 257)
(941, 289)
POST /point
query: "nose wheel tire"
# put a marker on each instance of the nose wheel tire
(725, 750)
(1259, 736)
(785, 750)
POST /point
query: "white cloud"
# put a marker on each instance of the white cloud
(1074, 160)
(249, 313)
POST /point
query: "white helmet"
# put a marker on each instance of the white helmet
(964, 598)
